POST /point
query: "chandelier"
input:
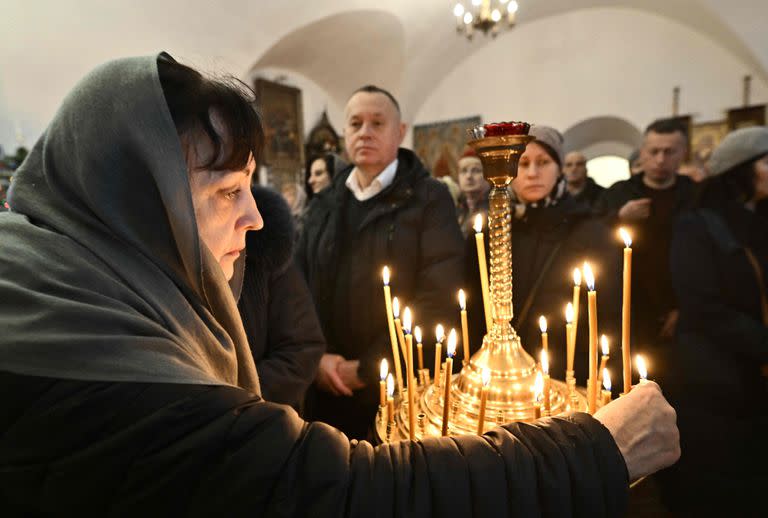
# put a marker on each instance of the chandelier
(484, 15)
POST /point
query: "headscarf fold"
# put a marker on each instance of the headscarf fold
(102, 272)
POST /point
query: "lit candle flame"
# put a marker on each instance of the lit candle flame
(478, 223)
(462, 300)
(458, 10)
(626, 237)
(417, 334)
(512, 7)
(390, 385)
(385, 275)
(543, 324)
(606, 380)
(395, 307)
(576, 277)
(384, 369)
(604, 344)
(439, 333)
(569, 313)
(538, 387)
(486, 376)
(407, 320)
(589, 277)
(641, 368)
(544, 362)
(450, 349)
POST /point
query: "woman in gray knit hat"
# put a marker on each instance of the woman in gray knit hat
(719, 259)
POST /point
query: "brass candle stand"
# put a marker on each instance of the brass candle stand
(513, 371)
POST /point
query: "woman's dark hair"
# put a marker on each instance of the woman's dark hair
(191, 98)
(329, 166)
(735, 185)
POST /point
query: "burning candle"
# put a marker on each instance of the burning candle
(464, 327)
(391, 398)
(480, 244)
(391, 323)
(576, 297)
(398, 324)
(570, 340)
(543, 328)
(641, 369)
(409, 369)
(603, 358)
(419, 346)
(626, 301)
(450, 350)
(547, 381)
(606, 394)
(486, 376)
(439, 337)
(592, 308)
(538, 394)
(383, 372)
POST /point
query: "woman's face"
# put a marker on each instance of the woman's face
(471, 178)
(761, 179)
(225, 210)
(319, 178)
(536, 174)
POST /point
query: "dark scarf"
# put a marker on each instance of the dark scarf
(102, 273)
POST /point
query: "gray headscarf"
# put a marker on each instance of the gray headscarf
(102, 272)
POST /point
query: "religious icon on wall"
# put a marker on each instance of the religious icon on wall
(323, 138)
(705, 137)
(440, 144)
(746, 117)
(282, 115)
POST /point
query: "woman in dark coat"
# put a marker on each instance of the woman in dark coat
(276, 306)
(552, 235)
(719, 262)
(127, 384)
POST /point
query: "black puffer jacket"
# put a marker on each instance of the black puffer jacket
(142, 449)
(276, 307)
(411, 227)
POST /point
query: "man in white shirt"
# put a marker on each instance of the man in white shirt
(384, 210)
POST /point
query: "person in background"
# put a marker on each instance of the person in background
(474, 191)
(276, 307)
(551, 235)
(648, 205)
(320, 171)
(581, 187)
(718, 369)
(296, 198)
(635, 162)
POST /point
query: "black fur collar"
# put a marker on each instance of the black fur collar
(271, 248)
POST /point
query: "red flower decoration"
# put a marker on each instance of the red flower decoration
(506, 128)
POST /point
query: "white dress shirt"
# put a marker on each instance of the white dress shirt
(383, 180)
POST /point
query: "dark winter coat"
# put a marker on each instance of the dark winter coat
(716, 377)
(276, 307)
(411, 227)
(142, 449)
(548, 244)
(590, 193)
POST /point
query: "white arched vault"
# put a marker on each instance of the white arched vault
(604, 135)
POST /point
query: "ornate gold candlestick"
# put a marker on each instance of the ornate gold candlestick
(510, 396)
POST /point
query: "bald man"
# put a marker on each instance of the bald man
(580, 186)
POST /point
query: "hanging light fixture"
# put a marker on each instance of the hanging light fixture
(488, 16)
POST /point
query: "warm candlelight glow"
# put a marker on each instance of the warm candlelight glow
(589, 277)
(543, 324)
(384, 369)
(626, 237)
(486, 376)
(462, 300)
(450, 349)
(478, 223)
(538, 387)
(641, 367)
(569, 313)
(439, 332)
(417, 334)
(395, 307)
(604, 344)
(544, 362)
(385, 275)
(390, 385)
(606, 380)
(407, 320)
(576, 277)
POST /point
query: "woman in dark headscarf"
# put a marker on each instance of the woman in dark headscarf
(551, 235)
(126, 381)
